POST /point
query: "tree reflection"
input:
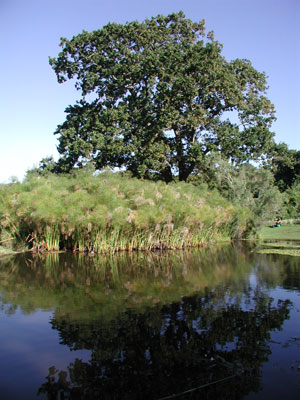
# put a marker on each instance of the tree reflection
(171, 349)
(274, 269)
(155, 323)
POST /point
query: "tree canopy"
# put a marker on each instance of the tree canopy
(157, 97)
(285, 166)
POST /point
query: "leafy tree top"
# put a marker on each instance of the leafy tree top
(285, 165)
(155, 97)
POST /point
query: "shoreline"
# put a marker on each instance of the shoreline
(115, 250)
(280, 240)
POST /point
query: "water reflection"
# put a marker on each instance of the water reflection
(170, 349)
(79, 286)
(193, 323)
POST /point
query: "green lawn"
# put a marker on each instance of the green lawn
(285, 235)
(285, 232)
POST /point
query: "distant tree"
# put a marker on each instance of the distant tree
(46, 165)
(254, 188)
(292, 201)
(285, 165)
(243, 185)
(156, 99)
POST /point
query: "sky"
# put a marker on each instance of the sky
(32, 103)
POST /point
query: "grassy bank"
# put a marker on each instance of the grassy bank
(111, 212)
(284, 232)
(282, 240)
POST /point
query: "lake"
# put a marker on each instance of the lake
(215, 323)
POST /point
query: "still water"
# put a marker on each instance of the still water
(218, 323)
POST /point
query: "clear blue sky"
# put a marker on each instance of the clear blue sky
(32, 103)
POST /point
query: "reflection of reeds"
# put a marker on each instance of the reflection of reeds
(106, 284)
(109, 213)
(52, 260)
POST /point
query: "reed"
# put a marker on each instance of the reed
(52, 237)
(108, 213)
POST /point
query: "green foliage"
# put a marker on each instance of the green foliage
(285, 165)
(292, 202)
(108, 212)
(155, 98)
(46, 165)
(255, 189)
(244, 185)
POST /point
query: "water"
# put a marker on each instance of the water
(218, 323)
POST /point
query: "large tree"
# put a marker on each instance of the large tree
(157, 97)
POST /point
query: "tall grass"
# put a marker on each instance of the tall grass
(109, 212)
